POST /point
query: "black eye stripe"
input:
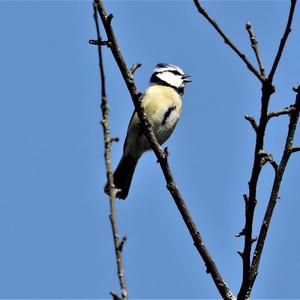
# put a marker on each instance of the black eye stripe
(171, 71)
(175, 72)
(156, 80)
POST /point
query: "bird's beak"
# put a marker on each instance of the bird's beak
(186, 78)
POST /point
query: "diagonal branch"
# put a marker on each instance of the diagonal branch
(161, 156)
(283, 40)
(227, 41)
(254, 45)
(107, 155)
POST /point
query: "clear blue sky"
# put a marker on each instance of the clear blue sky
(56, 240)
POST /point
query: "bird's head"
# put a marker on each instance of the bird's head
(170, 75)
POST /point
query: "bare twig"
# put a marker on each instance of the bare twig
(134, 67)
(115, 296)
(288, 149)
(122, 242)
(285, 111)
(296, 149)
(162, 158)
(252, 122)
(283, 40)
(273, 164)
(118, 245)
(266, 157)
(240, 253)
(227, 41)
(241, 233)
(114, 139)
(254, 45)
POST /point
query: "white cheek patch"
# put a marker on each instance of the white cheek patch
(171, 79)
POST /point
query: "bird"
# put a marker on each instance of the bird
(162, 103)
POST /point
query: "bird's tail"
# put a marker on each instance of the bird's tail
(123, 175)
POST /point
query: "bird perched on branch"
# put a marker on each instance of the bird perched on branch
(162, 104)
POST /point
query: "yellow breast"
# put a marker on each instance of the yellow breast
(158, 99)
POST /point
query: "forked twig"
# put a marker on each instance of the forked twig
(227, 41)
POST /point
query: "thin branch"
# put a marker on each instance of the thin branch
(240, 253)
(252, 122)
(241, 233)
(254, 45)
(114, 139)
(115, 296)
(284, 111)
(162, 158)
(122, 242)
(296, 149)
(134, 67)
(273, 164)
(288, 149)
(283, 40)
(266, 157)
(107, 155)
(227, 41)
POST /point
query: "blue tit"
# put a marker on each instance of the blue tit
(162, 104)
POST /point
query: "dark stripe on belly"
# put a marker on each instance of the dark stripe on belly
(167, 114)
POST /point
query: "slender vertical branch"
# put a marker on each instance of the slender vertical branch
(161, 156)
(118, 244)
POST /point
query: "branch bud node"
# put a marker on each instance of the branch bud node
(240, 253)
(243, 232)
(254, 239)
(246, 198)
(109, 18)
